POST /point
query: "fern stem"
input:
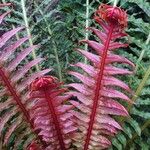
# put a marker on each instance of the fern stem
(115, 3)
(138, 92)
(86, 25)
(97, 90)
(142, 53)
(141, 85)
(54, 45)
(148, 39)
(58, 63)
(28, 30)
(143, 82)
(55, 120)
(14, 95)
(17, 98)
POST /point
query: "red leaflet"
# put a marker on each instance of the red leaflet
(98, 93)
(6, 4)
(50, 113)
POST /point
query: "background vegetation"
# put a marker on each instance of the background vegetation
(58, 25)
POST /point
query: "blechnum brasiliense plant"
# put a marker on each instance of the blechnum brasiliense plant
(43, 117)
(99, 91)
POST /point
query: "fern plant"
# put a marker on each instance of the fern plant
(99, 87)
(42, 118)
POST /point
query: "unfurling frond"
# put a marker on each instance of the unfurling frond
(50, 113)
(99, 91)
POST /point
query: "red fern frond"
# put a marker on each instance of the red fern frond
(50, 113)
(14, 79)
(98, 92)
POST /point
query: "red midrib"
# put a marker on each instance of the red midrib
(15, 96)
(98, 87)
(55, 120)
(18, 101)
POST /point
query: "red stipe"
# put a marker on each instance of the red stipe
(98, 87)
(55, 120)
(17, 99)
